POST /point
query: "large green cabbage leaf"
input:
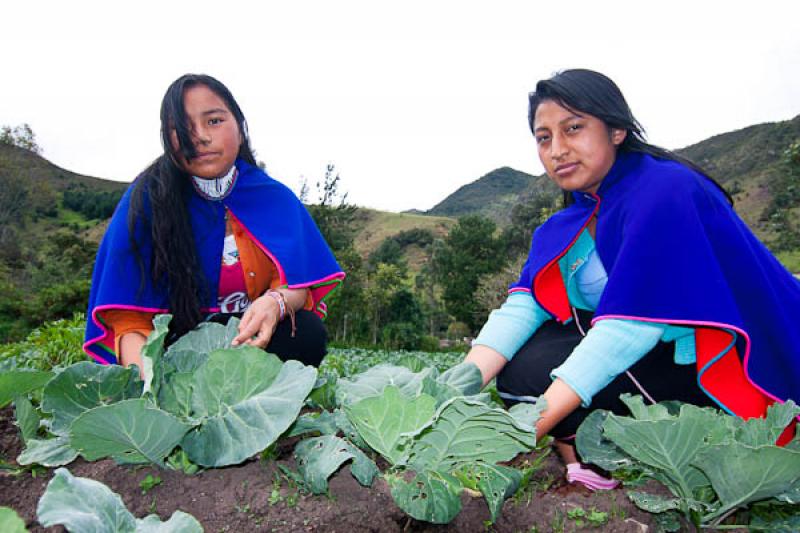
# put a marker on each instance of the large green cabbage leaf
(765, 431)
(319, 457)
(741, 474)
(382, 420)
(130, 431)
(84, 386)
(466, 378)
(88, 506)
(244, 400)
(666, 444)
(373, 381)
(467, 431)
(14, 383)
(205, 338)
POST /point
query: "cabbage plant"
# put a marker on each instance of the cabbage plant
(218, 403)
(711, 462)
(438, 434)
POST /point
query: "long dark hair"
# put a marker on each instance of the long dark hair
(164, 214)
(589, 92)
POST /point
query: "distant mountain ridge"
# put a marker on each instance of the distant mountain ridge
(744, 161)
(492, 195)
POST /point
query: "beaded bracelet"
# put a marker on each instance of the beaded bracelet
(283, 308)
(278, 297)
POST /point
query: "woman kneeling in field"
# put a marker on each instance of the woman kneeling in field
(204, 234)
(647, 282)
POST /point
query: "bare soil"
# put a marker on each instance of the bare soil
(255, 496)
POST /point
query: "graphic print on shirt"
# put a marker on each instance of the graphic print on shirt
(232, 289)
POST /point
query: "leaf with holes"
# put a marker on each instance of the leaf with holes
(654, 503)
(319, 457)
(497, 483)
(431, 496)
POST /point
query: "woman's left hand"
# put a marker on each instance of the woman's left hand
(258, 322)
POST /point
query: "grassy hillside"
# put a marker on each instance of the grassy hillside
(31, 166)
(375, 226)
(748, 163)
(34, 191)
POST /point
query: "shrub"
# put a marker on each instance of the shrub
(54, 344)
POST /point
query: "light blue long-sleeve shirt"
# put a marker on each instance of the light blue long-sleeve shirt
(609, 348)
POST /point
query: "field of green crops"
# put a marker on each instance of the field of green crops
(417, 424)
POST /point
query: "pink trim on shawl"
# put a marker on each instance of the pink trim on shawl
(519, 289)
(105, 338)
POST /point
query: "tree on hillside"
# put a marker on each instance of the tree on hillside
(336, 219)
(334, 216)
(14, 194)
(526, 216)
(468, 252)
(382, 287)
(785, 201)
(21, 136)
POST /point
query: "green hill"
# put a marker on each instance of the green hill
(492, 195)
(31, 166)
(748, 162)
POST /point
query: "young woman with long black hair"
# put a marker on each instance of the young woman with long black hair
(647, 282)
(204, 234)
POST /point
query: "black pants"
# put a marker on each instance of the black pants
(309, 345)
(527, 375)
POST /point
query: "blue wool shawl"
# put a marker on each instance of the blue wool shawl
(677, 253)
(268, 211)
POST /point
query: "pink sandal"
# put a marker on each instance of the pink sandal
(577, 473)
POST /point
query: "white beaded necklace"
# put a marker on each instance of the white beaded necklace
(217, 188)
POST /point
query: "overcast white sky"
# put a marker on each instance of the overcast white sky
(409, 100)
